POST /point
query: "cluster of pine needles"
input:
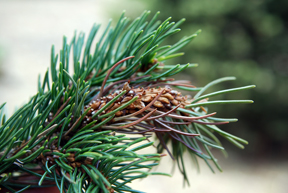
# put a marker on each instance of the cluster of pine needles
(73, 132)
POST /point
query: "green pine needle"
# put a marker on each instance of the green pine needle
(52, 130)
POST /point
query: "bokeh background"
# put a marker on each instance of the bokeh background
(246, 39)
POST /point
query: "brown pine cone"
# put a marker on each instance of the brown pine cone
(164, 102)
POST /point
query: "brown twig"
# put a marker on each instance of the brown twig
(38, 136)
(210, 123)
(109, 72)
(61, 108)
(175, 84)
(142, 110)
(185, 118)
(164, 114)
(135, 122)
(175, 130)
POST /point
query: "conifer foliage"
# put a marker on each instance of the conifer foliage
(73, 132)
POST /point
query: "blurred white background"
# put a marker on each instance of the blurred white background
(27, 31)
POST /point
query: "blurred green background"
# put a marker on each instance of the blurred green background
(246, 39)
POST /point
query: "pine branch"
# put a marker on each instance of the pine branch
(69, 133)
